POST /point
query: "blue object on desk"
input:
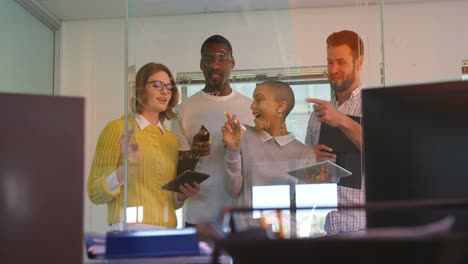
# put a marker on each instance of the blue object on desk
(152, 243)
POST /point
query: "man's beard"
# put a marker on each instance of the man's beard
(345, 84)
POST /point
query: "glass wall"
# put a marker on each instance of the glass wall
(283, 41)
(424, 43)
(421, 49)
(269, 42)
(27, 52)
(130, 156)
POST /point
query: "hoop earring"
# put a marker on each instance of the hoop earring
(279, 113)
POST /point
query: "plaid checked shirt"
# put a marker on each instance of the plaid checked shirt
(349, 220)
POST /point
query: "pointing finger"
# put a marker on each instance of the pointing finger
(315, 101)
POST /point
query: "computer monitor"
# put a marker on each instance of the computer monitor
(415, 147)
(41, 179)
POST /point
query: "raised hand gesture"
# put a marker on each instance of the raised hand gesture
(232, 132)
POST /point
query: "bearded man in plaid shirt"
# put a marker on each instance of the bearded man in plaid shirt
(345, 51)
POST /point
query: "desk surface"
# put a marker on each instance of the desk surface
(165, 260)
(449, 249)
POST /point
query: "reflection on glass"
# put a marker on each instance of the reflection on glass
(262, 197)
(287, 38)
(311, 223)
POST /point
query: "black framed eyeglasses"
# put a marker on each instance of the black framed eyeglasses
(158, 85)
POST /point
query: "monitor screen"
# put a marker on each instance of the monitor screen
(415, 142)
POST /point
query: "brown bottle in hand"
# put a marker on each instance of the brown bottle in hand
(204, 134)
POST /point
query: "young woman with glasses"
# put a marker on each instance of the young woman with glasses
(152, 157)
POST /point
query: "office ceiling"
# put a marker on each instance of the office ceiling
(97, 9)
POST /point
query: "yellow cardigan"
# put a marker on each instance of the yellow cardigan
(156, 166)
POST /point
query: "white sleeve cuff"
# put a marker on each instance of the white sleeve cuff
(177, 203)
(112, 182)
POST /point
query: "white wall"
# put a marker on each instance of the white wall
(423, 43)
(266, 39)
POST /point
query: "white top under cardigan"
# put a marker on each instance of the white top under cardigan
(263, 160)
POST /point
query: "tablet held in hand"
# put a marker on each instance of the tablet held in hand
(321, 172)
(187, 176)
